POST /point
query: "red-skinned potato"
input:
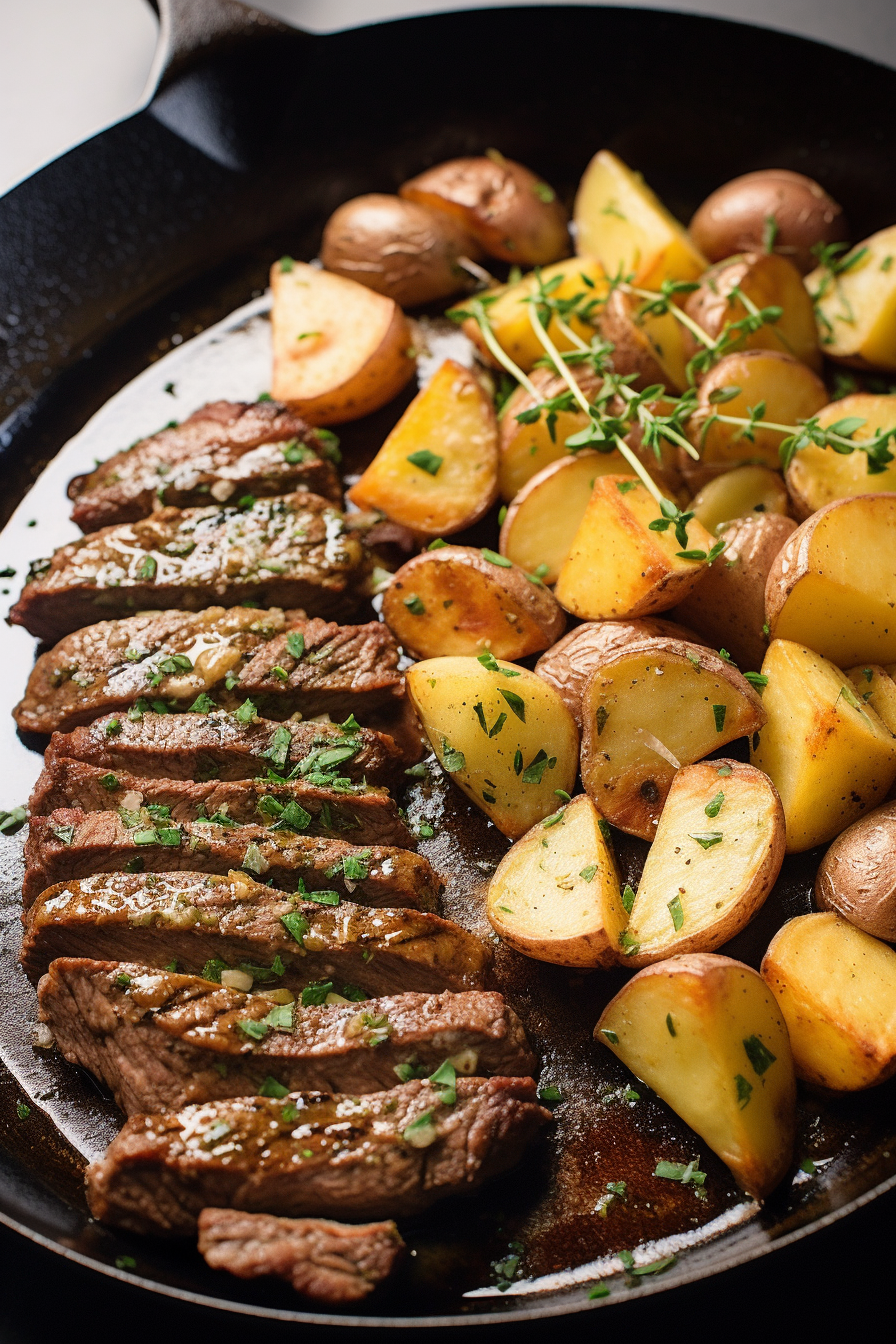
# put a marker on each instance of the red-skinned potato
(513, 214)
(735, 217)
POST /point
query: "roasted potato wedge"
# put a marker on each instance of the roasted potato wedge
(706, 1033)
(340, 350)
(437, 472)
(827, 753)
(555, 894)
(727, 606)
(856, 307)
(504, 735)
(817, 476)
(618, 566)
(511, 212)
(766, 280)
(833, 583)
(857, 876)
(647, 710)
(651, 347)
(459, 600)
(541, 523)
(875, 687)
(739, 493)
(626, 227)
(735, 217)
(527, 448)
(718, 850)
(836, 989)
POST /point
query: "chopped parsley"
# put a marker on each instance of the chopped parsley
(718, 713)
(744, 1090)
(675, 910)
(426, 461)
(759, 1056)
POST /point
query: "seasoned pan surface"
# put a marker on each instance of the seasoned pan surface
(174, 221)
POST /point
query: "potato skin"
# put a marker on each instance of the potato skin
(513, 214)
(397, 248)
(857, 876)
(733, 218)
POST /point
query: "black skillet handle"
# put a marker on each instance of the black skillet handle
(192, 31)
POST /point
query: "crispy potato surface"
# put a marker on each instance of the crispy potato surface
(736, 217)
(857, 876)
(856, 307)
(818, 476)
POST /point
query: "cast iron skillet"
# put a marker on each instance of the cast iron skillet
(166, 223)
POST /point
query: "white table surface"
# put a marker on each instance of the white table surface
(68, 68)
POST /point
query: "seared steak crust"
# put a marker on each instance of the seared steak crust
(326, 1261)
(161, 1040)
(223, 451)
(290, 551)
(190, 918)
(70, 843)
(313, 1154)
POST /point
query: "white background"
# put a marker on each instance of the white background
(70, 67)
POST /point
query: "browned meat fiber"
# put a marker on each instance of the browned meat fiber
(222, 452)
(191, 919)
(220, 747)
(325, 1261)
(313, 1154)
(160, 1040)
(71, 844)
(217, 659)
(290, 551)
(352, 812)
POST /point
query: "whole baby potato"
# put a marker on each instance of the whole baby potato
(397, 248)
(734, 218)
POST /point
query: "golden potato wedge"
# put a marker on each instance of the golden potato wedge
(789, 389)
(833, 583)
(650, 708)
(836, 989)
(706, 1033)
(856, 307)
(875, 687)
(504, 735)
(541, 523)
(827, 753)
(459, 600)
(718, 850)
(626, 227)
(651, 347)
(766, 280)
(857, 876)
(739, 494)
(340, 349)
(727, 606)
(437, 472)
(817, 476)
(555, 894)
(526, 449)
(568, 664)
(618, 566)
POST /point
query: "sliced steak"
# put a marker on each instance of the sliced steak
(291, 551)
(219, 746)
(70, 843)
(349, 812)
(174, 660)
(157, 918)
(326, 1261)
(221, 452)
(313, 1154)
(160, 1040)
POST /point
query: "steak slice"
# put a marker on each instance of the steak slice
(70, 844)
(218, 746)
(350, 812)
(326, 1261)
(313, 1154)
(290, 551)
(190, 918)
(160, 1040)
(173, 660)
(222, 451)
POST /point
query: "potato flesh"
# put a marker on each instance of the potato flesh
(526, 449)
(818, 476)
(542, 522)
(704, 1071)
(857, 311)
(617, 566)
(829, 760)
(715, 890)
(503, 767)
(738, 494)
(658, 692)
(452, 419)
(555, 894)
(876, 687)
(836, 987)
(622, 223)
